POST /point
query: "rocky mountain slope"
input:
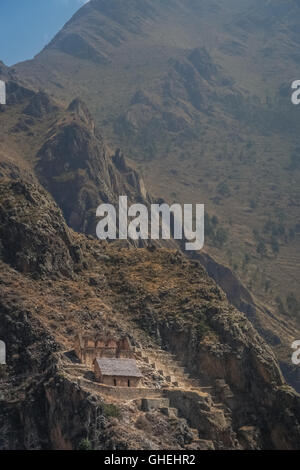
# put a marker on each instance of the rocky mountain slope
(61, 148)
(217, 383)
(198, 93)
(161, 301)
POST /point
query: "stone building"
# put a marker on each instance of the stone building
(89, 348)
(118, 372)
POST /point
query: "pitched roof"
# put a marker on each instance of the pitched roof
(118, 367)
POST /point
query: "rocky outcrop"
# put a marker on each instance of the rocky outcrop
(40, 105)
(17, 94)
(34, 238)
(81, 172)
(80, 109)
(211, 423)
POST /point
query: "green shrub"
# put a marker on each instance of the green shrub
(111, 411)
(85, 444)
(261, 248)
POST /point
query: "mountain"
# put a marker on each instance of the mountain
(178, 101)
(198, 94)
(227, 391)
(57, 282)
(61, 148)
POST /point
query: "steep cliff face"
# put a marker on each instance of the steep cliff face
(62, 149)
(81, 171)
(34, 236)
(40, 407)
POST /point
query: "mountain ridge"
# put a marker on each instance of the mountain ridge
(182, 109)
(189, 92)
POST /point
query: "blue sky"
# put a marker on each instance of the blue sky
(26, 26)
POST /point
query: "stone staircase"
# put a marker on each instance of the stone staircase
(171, 370)
(175, 376)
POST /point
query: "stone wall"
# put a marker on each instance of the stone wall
(122, 393)
(88, 349)
(120, 381)
(200, 413)
(116, 381)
